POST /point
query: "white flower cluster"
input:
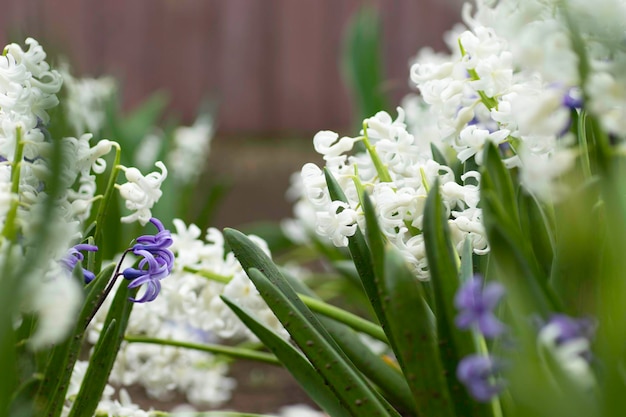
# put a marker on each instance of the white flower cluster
(85, 102)
(108, 406)
(398, 190)
(191, 146)
(187, 152)
(511, 79)
(189, 309)
(28, 88)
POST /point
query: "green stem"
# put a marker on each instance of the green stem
(104, 205)
(233, 352)
(345, 317)
(584, 145)
(481, 348)
(489, 102)
(222, 279)
(10, 230)
(383, 174)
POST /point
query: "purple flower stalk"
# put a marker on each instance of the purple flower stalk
(157, 262)
(478, 374)
(74, 255)
(476, 305)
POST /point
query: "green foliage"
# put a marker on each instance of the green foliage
(349, 387)
(362, 63)
(443, 262)
(57, 373)
(105, 352)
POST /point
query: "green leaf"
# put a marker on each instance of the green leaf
(412, 328)
(22, 404)
(129, 131)
(518, 268)
(8, 360)
(467, 265)
(105, 352)
(349, 386)
(88, 397)
(387, 377)
(499, 179)
(534, 225)
(294, 361)
(437, 155)
(57, 374)
(361, 254)
(362, 61)
(375, 236)
(444, 276)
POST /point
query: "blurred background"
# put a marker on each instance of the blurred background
(275, 71)
(273, 67)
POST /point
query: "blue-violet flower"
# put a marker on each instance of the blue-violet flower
(564, 331)
(476, 305)
(74, 255)
(157, 262)
(478, 374)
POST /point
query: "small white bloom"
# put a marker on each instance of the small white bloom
(325, 143)
(57, 299)
(300, 410)
(337, 223)
(314, 183)
(142, 192)
(191, 146)
(540, 173)
(86, 100)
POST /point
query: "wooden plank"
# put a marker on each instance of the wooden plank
(301, 63)
(240, 61)
(274, 65)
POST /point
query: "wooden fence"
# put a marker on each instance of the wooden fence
(273, 64)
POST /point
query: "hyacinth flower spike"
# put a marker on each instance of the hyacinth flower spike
(476, 305)
(478, 374)
(156, 263)
(74, 255)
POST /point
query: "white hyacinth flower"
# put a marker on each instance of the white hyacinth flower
(328, 144)
(191, 147)
(337, 223)
(57, 299)
(141, 192)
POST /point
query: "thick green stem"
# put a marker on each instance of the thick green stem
(233, 352)
(345, 317)
(210, 275)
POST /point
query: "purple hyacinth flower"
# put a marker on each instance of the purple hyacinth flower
(563, 329)
(74, 255)
(476, 305)
(573, 99)
(478, 374)
(156, 263)
(571, 328)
